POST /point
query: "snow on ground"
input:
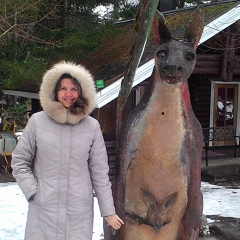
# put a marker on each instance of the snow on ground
(13, 214)
(218, 200)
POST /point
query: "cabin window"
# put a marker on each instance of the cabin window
(225, 105)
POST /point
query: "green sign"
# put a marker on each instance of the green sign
(100, 83)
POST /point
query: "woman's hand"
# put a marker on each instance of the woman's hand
(114, 221)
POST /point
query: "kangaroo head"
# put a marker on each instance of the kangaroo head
(158, 212)
(175, 60)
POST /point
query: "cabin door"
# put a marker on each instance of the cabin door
(225, 104)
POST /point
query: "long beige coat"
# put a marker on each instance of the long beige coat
(60, 163)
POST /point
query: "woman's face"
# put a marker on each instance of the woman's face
(68, 93)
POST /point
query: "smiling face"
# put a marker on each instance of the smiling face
(68, 93)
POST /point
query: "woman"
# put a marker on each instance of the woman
(61, 157)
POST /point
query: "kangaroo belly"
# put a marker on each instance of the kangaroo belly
(159, 167)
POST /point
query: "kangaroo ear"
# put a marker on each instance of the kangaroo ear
(160, 29)
(171, 200)
(194, 30)
(147, 197)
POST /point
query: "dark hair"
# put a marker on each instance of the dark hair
(81, 103)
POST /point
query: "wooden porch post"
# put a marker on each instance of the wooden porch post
(225, 57)
(231, 60)
(229, 57)
(119, 121)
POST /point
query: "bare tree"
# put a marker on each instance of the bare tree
(21, 19)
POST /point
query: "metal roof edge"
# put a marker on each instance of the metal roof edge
(220, 23)
(111, 92)
(21, 94)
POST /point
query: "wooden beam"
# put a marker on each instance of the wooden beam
(208, 57)
(204, 70)
(208, 64)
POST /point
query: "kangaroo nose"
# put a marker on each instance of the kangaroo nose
(158, 225)
(172, 69)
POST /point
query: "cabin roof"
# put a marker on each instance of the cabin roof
(217, 17)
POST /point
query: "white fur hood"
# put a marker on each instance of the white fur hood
(55, 109)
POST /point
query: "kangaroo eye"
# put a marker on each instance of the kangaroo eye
(162, 54)
(163, 214)
(190, 56)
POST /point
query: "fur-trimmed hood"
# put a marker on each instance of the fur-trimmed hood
(55, 109)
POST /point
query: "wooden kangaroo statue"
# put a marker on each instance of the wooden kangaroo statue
(158, 172)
